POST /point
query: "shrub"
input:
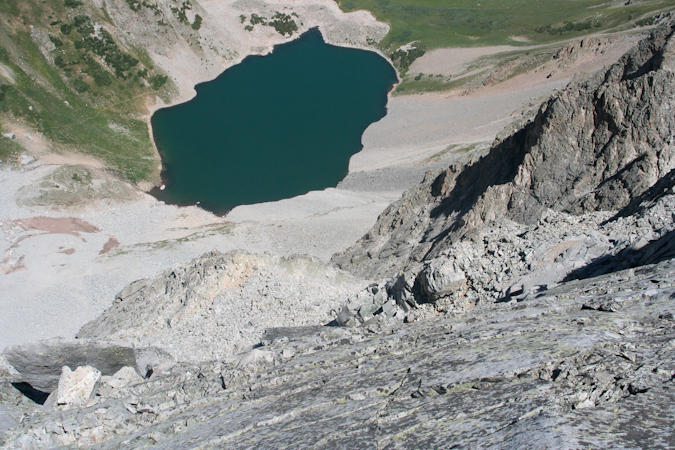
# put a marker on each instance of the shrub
(256, 19)
(180, 12)
(283, 23)
(80, 86)
(57, 42)
(79, 20)
(645, 22)
(158, 81)
(98, 73)
(135, 5)
(198, 22)
(72, 3)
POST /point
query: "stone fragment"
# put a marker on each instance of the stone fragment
(401, 288)
(124, 377)
(441, 277)
(603, 304)
(255, 358)
(368, 310)
(76, 388)
(344, 316)
(389, 308)
(152, 359)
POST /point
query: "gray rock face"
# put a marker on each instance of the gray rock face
(40, 363)
(545, 368)
(595, 146)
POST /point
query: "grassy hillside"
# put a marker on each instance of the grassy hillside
(421, 25)
(455, 23)
(63, 74)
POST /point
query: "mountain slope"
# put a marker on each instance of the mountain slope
(594, 146)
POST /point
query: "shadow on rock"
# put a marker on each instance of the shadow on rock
(637, 255)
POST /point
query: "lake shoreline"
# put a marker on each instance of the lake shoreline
(334, 26)
(272, 127)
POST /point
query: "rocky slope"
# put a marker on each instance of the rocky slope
(528, 294)
(595, 146)
(216, 304)
(588, 364)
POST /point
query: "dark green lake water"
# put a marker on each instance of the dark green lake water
(272, 127)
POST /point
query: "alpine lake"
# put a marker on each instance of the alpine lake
(271, 127)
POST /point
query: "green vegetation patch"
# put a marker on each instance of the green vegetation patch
(482, 71)
(282, 23)
(469, 23)
(404, 57)
(422, 83)
(88, 94)
(9, 149)
(72, 3)
(3, 91)
(207, 231)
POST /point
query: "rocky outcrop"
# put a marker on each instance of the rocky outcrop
(551, 367)
(213, 305)
(595, 146)
(41, 363)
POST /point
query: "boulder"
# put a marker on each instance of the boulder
(26, 159)
(40, 363)
(124, 377)
(256, 358)
(441, 277)
(76, 388)
(152, 359)
(362, 306)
